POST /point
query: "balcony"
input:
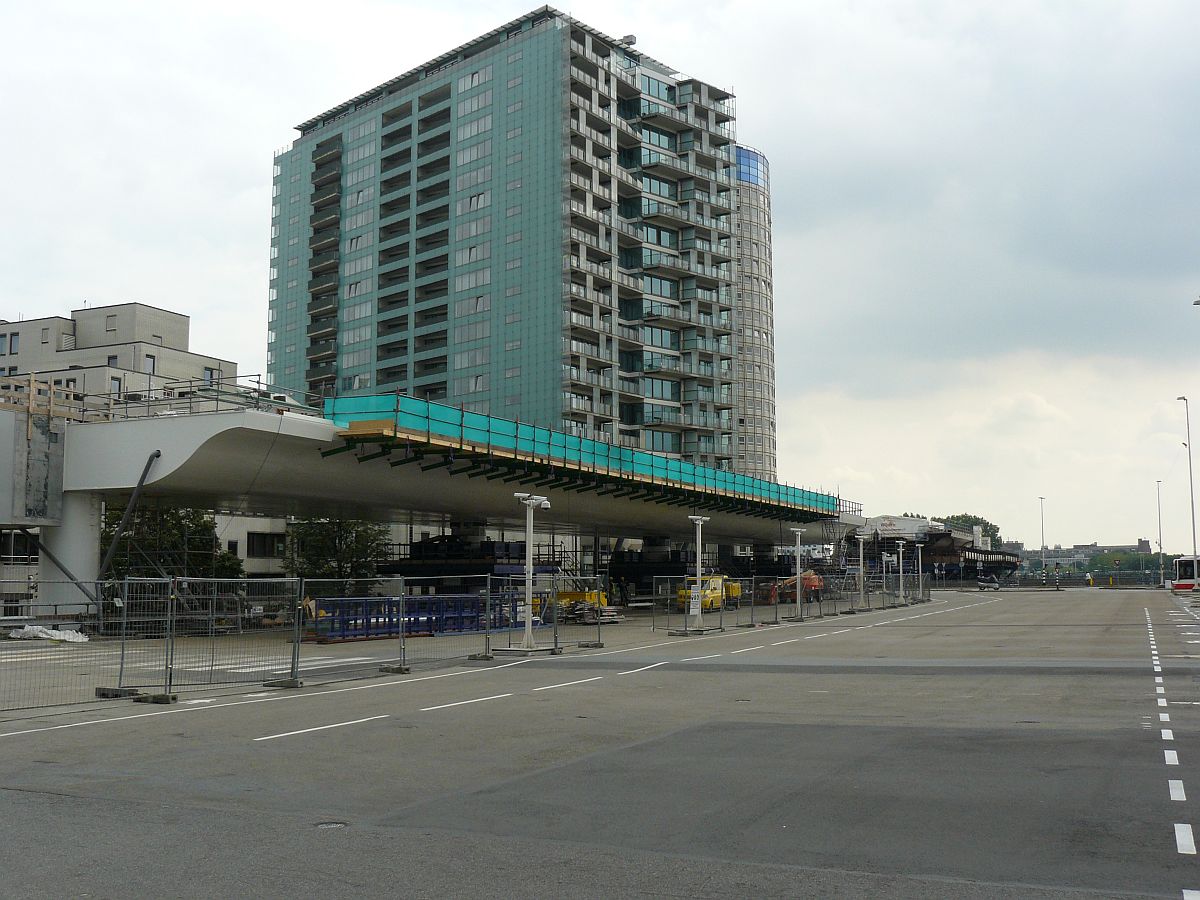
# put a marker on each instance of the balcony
(328, 216)
(330, 196)
(579, 320)
(659, 415)
(323, 240)
(323, 153)
(584, 265)
(321, 328)
(655, 259)
(588, 376)
(322, 349)
(664, 365)
(327, 174)
(575, 403)
(323, 283)
(321, 372)
(324, 304)
(582, 347)
(660, 209)
(324, 261)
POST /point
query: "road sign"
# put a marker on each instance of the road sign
(694, 602)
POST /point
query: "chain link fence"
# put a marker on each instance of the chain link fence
(143, 636)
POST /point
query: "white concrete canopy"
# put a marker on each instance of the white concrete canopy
(271, 463)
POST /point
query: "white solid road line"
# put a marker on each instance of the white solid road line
(1177, 792)
(271, 737)
(746, 649)
(1170, 757)
(195, 709)
(550, 687)
(465, 702)
(1184, 839)
(644, 668)
(404, 681)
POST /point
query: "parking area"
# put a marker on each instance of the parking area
(995, 745)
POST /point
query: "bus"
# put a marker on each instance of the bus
(1185, 574)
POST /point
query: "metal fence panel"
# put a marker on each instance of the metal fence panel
(43, 672)
(230, 631)
(422, 620)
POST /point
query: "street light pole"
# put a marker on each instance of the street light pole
(862, 573)
(1191, 486)
(1042, 508)
(531, 502)
(900, 571)
(920, 593)
(799, 532)
(698, 521)
(1158, 490)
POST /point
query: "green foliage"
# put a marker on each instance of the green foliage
(334, 548)
(1129, 562)
(967, 521)
(160, 541)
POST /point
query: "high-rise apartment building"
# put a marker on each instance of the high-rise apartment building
(755, 344)
(538, 224)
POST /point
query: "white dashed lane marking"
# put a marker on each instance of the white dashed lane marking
(644, 668)
(1177, 792)
(465, 702)
(271, 737)
(1184, 839)
(550, 687)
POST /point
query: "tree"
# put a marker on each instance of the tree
(166, 541)
(335, 548)
(967, 521)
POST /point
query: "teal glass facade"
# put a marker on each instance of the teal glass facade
(755, 366)
(538, 225)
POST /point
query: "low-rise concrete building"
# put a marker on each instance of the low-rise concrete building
(118, 350)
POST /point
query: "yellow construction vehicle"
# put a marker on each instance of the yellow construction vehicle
(715, 591)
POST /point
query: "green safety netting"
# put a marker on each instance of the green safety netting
(452, 423)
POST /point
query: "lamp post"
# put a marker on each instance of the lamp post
(920, 593)
(900, 571)
(1042, 509)
(698, 620)
(799, 532)
(862, 572)
(1191, 486)
(1161, 577)
(531, 502)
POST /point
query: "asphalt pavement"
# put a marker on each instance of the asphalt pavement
(1000, 745)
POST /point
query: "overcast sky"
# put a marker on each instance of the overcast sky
(987, 216)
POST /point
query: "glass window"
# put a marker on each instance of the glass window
(110, 323)
(148, 364)
(260, 545)
(474, 79)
